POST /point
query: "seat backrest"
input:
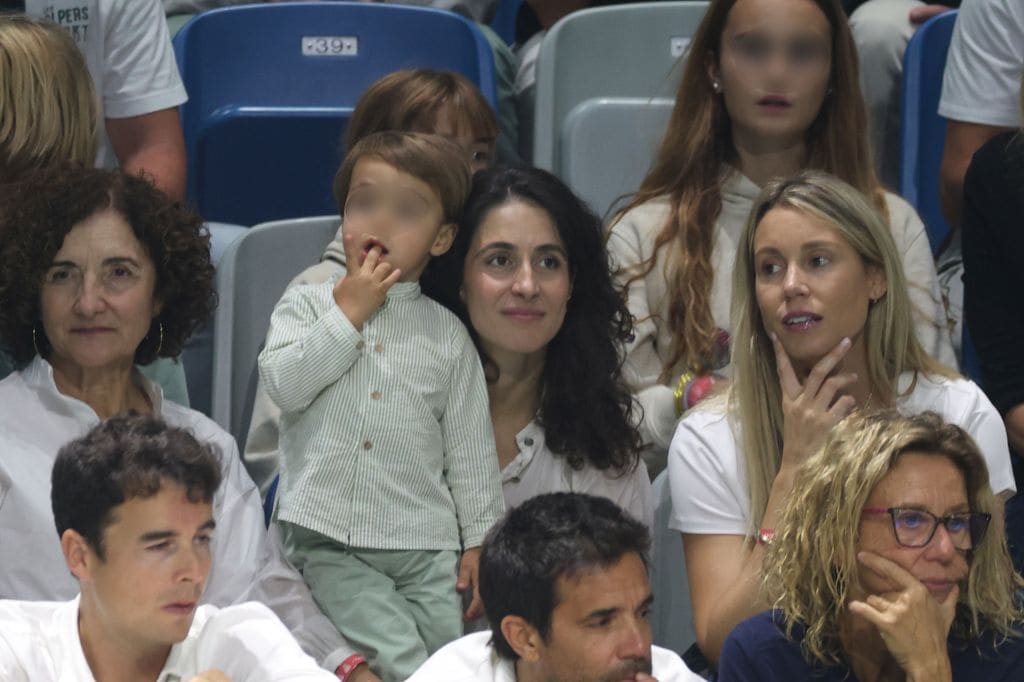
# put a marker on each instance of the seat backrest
(504, 20)
(672, 616)
(608, 52)
(271, 87)
(922, 130)
(251, 278)
(607, 144)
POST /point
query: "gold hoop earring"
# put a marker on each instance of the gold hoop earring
(160, 343)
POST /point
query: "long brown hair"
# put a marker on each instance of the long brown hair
(690, 166)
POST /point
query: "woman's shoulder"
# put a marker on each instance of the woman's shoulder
(759, 649)
(201, 426)
(934, 391)
(646, 218)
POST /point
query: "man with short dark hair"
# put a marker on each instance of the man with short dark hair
(132, 500)
(563, 578)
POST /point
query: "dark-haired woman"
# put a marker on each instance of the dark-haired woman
(537, 295)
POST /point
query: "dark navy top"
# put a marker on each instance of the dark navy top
(758, 651)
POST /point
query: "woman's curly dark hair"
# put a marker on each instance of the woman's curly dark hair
(41, 209)
(586, 410)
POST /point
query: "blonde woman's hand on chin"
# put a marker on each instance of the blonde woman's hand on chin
(913, 624)
(811, 408)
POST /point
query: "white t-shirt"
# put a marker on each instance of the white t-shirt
(36, 420)
(536, 470)
(986, 59)
(631, 243)
(473, 659)
(707, 472)
(128, 51)
(39, 642)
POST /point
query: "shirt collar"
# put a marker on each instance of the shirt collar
(404, 291)
(38, 374)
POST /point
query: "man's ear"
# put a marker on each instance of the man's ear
(523, 638)
(78, 553)
(443, 240)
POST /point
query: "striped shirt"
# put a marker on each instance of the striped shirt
(386, 438)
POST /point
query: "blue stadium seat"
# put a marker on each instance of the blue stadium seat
(923, 131)
(272, 86)
(504, 20)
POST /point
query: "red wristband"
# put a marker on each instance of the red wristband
(765, 536)
(348, 665)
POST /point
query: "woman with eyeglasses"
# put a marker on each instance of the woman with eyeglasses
(823, 326)
(898, 574)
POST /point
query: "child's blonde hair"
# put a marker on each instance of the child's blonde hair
(47, 110)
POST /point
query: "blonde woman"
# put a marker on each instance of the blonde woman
(823, 325)
(47, 110)
(901, 572)
(771, 87)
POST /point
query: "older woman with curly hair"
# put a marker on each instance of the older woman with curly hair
(529, 276)
(48, 117)
(103, 272)
(897, 575)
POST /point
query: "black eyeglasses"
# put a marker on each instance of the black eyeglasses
(916, 527)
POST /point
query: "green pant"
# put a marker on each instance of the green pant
(395, 607)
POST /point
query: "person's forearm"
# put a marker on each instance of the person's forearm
(1014, 420)
(152, 143)
(744, 597)
(165, 163)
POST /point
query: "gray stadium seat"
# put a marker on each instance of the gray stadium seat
(607, 145)
(599, 57)
(250, 280)
(672, 618)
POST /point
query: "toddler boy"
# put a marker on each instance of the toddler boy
(389, 462)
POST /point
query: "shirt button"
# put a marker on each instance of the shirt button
(360, 345)
(528, 442)
(375, 395)
(367, 445)
(379, 348)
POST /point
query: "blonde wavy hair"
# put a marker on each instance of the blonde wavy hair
(693, 161)
(755, 396)
(811, 568)
(47, 108)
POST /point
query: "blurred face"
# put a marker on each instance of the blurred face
(97, 297)
(773, 69)
(924, 482)
(599, 629)
(516, 280)
(479, 150)
(143, 593)
(397, 213)
(812, 287)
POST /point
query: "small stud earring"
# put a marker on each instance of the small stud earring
(716, 86)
